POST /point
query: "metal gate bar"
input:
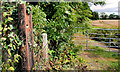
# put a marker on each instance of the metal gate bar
(109, 39)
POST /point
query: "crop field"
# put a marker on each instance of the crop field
(106, 23)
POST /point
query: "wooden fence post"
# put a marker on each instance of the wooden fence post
(45, 49)
(26, 34)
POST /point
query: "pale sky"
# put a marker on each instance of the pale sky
(110, 7)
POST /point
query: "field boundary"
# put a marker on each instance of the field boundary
(109, 39)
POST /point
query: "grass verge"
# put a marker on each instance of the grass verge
(111, 60)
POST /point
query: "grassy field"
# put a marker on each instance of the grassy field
(98, 58)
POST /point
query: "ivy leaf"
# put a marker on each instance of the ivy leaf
(9, 60)
(5, 14)
(16, 41)
(9, 52)
(11, 68)
(16, 60)
(6, 20)
(14, 47)
(10, 45)
(10, 19)
(19, 43)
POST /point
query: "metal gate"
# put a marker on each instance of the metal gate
(108, 38)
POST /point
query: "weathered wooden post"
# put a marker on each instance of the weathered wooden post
(26, 34)
(45, 49)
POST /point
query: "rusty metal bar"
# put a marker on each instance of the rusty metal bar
(26, 34)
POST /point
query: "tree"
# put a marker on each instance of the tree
(95, 16)
(117, 17)
(111, 16)
(103, 15)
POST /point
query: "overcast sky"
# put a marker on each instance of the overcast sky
(110, 7)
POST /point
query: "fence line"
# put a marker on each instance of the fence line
(107, 42)
(97, 34)
(109, 39)
(104, 38)
(106, 29)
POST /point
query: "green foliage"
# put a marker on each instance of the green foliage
(60, 27)
(114, 65)
(95, 16)
(100, 3)
(59, 30)
(111, 57)
(39, 21)
(103, 15)
(99, 51)
(10, 39)
(83, 10)
(113, 16)
(55, 19)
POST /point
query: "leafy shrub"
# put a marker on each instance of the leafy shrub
(59, 29)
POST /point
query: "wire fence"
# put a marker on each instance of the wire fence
(110, 39)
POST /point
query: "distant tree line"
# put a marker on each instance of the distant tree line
(103, 15)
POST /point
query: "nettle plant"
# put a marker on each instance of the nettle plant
(10, 40)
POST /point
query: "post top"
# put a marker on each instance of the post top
(44, 34)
